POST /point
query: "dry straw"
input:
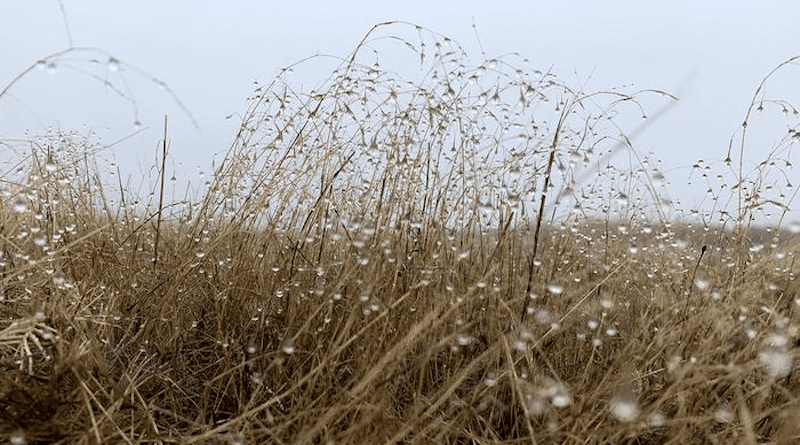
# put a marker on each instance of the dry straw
(397, 256)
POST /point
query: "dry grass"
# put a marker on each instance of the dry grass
(382, 261)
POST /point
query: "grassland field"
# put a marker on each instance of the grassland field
(382, 262)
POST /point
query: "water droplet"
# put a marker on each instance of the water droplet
(778, 340)
(625, 406)
(555, 289)
(723, 414)
(701, 284)
(374, 305)
(40, 240)
(542, 316)
(20, 205)
(18, 438)
(777, 361)
(656, 419)
(658, 178)
(51, 165)
(537, 405)
(464, 339)
(113, 64)
(560, 396)
(288, 346)
(522, 102)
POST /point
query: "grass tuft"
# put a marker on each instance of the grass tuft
(438, 255)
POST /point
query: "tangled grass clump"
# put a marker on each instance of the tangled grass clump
(390, 261)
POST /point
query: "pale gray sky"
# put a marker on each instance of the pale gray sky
(210, 52)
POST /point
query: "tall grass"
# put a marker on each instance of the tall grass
(395, 260)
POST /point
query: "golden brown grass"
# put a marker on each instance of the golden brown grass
(358, 272)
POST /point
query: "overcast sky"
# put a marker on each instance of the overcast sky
(712, 54)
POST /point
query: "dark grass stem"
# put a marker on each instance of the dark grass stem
(540, 214)
(161, 194)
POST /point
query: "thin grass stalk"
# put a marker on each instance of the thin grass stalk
(540, 214)
(161, 195)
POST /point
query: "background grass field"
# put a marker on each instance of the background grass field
(453, 258)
